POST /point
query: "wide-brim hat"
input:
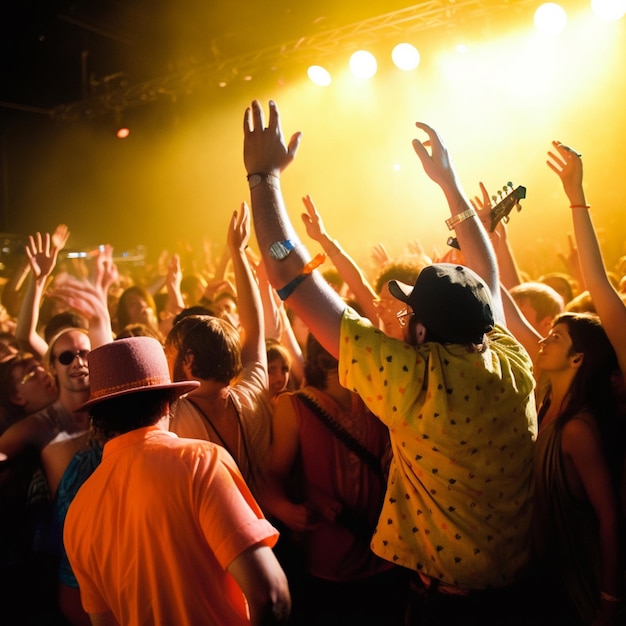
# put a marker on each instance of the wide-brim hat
(451, 301)
(128, 366)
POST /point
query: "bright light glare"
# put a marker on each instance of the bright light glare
(363, 64)
(550, 19)
(319, 75)
(609, 9)
(122, 132)
(405, 56)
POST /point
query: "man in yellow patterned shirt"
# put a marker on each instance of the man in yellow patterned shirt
(456, 394)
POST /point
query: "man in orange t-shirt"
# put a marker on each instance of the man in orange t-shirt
(165, 531)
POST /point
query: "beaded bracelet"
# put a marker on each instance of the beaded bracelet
(287, 290)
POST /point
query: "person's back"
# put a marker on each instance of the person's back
(150, 480)
(461, 422)
(456, 394)
(327, 480)
(187, 513)
(231, 406)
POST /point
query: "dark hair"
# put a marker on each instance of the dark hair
(592, 390)
(67, 319)
(122, 311)
(138, 329)
(129, 412)
(318, 363)
(7, 384)
(214, 344)
(197, 309)
(276, 350)
(404, 269)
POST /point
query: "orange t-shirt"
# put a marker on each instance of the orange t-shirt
(149, 535)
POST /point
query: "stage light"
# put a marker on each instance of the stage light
(550, 19)
(405, 56)
(121, 130)
(319, 75)
(609, 9)
(363, 64)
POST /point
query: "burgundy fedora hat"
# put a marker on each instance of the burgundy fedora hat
(127, 366)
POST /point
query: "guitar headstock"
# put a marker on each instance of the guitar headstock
(506, 199)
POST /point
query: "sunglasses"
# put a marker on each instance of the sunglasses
(403, 317)
(66, 357)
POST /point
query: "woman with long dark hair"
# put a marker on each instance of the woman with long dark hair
(578, 464)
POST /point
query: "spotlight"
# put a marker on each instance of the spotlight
(609, 9)
(405, 56)
(319, 75)
(550, 19)
(121, 130)
(363, 64)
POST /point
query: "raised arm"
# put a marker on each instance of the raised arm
(472, 236)
(567, 164)
(42, 252)
(265, 156)
(248, 296)
(346, 266)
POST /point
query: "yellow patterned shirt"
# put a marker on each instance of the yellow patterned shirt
(462, 425)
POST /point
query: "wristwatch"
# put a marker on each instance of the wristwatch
(280, 250)
(257, 179)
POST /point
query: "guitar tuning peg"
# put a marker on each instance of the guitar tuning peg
(494, 198)
(505, 189)
(510, 185)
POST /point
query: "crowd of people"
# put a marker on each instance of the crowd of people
(283, 437)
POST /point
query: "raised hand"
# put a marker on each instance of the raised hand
(239, 229)
(436, 163)
(174, 274)
(102, 269)
(568, 166)
(41, 255)
(264, 149)
(379, 255)
(313, 220)
(60, 236)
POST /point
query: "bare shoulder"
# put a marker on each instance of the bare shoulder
(581, 433)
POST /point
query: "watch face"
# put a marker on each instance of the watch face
(280, 249)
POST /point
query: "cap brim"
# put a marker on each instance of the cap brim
(178, 388)
(399, 290)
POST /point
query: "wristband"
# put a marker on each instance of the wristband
(579, 206)
(257, 179)
(453, 221)
(288, 289)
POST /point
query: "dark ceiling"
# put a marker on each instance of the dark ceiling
(57, 55)
(56, 52)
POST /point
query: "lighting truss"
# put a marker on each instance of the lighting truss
(400, 24)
